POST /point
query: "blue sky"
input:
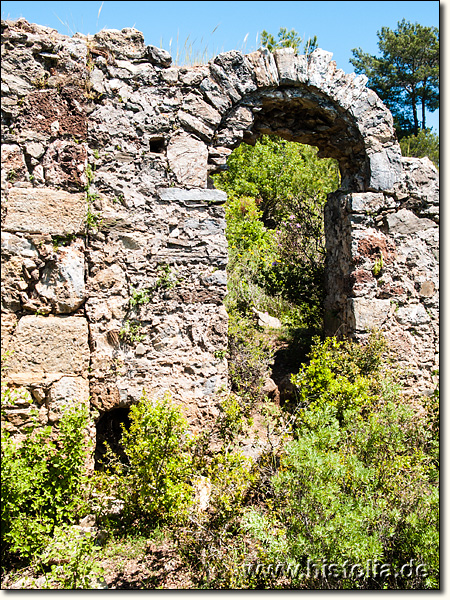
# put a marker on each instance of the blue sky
(204, 28)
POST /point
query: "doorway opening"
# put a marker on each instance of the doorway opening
(277, 190)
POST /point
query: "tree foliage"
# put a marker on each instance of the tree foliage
(277, 191)
(406, 75)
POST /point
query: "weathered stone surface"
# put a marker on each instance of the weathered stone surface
(62, 283)
(192, 198)
(385, 168)
(188, 158)
(266, 320)
(47, 211)
(369, 313)
(125, 44)
(405, 222)
(47, 348)
(414, 314)
(64, 393)
(65, 165)
(52, 113)
(158, 56)
(13, 162)
(265, 68)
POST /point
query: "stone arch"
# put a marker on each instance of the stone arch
(301, 98)
(307, 99)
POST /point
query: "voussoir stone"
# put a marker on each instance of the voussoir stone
(45, 210)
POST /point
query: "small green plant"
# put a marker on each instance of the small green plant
(120, 199)
(69, 561)
(40, 82)
(166, 278)
(130, 332)
(220, 354)
(11, 396)
(378, 266)
(11, 176)
(63, 240)
(140, 297)
(233, 417)
(90, 174)
(93, 219)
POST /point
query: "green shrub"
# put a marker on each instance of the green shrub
(154, 482)
(358, 483)
(43, 483)
(250, 358)
(69, 561)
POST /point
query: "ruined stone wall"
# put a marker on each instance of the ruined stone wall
(114, 253)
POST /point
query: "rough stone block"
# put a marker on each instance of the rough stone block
(405, 222)
(62, 282)
(46, 211)
(368, 313)
(265, 68)
(287, 69)
(201, 197)
(47, 348)
(413, 315)
(385, 170)
(368, 202)
(188, 159)
(68, 391)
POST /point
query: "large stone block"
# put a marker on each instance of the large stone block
(67, 392)
(46, 211)
(62, 282)
(369, 313)
(192, 198)
(405, 222)
(265, 68)
(188, 159)
(47, 348)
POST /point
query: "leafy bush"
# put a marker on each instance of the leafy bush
(279, 175)
(154, 482)
(276, 195)
(69, 561)
(358, 483)
(43, 483)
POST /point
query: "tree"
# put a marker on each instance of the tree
(406, 76)
(287, 39)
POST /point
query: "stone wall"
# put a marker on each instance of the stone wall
(114, 253)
